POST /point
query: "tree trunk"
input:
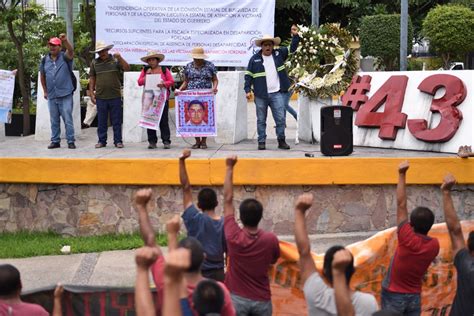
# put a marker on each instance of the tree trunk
(23, 78)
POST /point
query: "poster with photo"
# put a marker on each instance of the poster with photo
(195, 114)
(7, 85)
(153, 103)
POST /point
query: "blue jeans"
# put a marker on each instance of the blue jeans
(114, 107)
(244, 306)
(406, 304)
(61, 107)
(288, 107)
(276, 101)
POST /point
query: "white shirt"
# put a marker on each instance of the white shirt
(273, 81)
(321, 302)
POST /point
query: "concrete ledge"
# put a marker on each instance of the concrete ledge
(249, 171)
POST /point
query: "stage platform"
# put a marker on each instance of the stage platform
(24, 160)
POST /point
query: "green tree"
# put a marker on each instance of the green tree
(380, 37)
(450, 30)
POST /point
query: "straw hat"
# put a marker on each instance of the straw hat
(100, 46)
(267, 38)
(153, 54)
(198, 53)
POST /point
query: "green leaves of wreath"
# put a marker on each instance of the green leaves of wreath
(324, 64)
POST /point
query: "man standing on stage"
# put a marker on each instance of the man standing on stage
(267, 74)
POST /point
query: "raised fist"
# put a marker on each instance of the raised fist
(403, 167)
(448, 182)
(142, 197)
(186, 154)
(304, 202)
(231, 161)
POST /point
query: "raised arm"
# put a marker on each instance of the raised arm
(172, 228)
(184, 179)
(307, 266)
(69, 49)
(58, 295)
(142, 202)
(450, 216)
(144, 258)
(402, 211)
(215, 82)
(342, 293)
(229, 186)
(123, 63)
(177, 262)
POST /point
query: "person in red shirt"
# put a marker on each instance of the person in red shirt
(251, 252)
(10, 290)
(401, 287)
(143, 202)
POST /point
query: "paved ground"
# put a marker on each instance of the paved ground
(28, 147)
(117, 268)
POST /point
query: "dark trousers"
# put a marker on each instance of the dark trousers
(215, 274)
(114, 107)
(164, 128)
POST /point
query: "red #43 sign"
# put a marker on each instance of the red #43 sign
(392, 95)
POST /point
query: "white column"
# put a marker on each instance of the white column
(2, 132)
(132, 108)
(43, 125)
(304, 129)
(231, 108)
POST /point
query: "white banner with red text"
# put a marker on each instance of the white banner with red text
(226, 29)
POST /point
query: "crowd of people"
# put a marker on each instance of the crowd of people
(221, 267)
(266, 80)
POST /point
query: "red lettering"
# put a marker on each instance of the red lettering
(446, 106)
(355, 94)
(391, 93)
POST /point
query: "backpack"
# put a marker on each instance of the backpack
(73, 77)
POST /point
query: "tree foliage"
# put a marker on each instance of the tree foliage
(450, 30)
(380, 37)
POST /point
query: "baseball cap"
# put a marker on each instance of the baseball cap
(54, 41)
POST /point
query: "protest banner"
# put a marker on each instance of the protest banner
(195, 114)
(225, 29)
(7, 85)
(153, 103)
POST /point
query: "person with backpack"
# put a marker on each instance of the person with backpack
(106, 76)
(153, 59)
(58, 85)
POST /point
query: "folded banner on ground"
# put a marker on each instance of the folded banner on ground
(195, 114)
(371, 257)
(7, 84)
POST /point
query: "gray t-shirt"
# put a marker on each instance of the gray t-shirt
(321, 301)
(464, 301)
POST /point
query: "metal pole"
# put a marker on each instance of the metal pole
(315, 13)
(69, 30)
(403, 34)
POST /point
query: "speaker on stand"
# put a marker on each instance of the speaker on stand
(336, 130)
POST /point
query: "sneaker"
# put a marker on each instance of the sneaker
(261, 146)
(166, 145)
(54, 145)
(119, 145)
(71, 146)
(99, 145)
(282, 144)
(151, 145)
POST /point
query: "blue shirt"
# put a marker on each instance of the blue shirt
(58, 76)
(210, 233)
(200, 78)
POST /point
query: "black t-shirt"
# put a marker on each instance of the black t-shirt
(464, 301)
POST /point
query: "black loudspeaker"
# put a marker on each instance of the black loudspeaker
(336, 130)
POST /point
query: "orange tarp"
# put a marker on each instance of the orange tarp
(371, 258)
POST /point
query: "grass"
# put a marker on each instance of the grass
(32, 244)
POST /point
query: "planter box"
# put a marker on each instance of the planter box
(16, 126)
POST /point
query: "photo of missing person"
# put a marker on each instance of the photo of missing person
(196, 113)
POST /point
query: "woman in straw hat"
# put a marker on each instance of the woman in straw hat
(153, 60)
(199, 74)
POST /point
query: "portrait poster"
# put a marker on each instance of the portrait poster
(7, 85)
(195, 114)
(153, 102)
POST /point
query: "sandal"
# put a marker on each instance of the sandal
(196, 146)
(203, 146)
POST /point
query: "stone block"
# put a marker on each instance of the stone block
(2, 132)
(43, 124)
(231, 108)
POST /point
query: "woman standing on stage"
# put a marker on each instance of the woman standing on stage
(153, 60)
(199, 74)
